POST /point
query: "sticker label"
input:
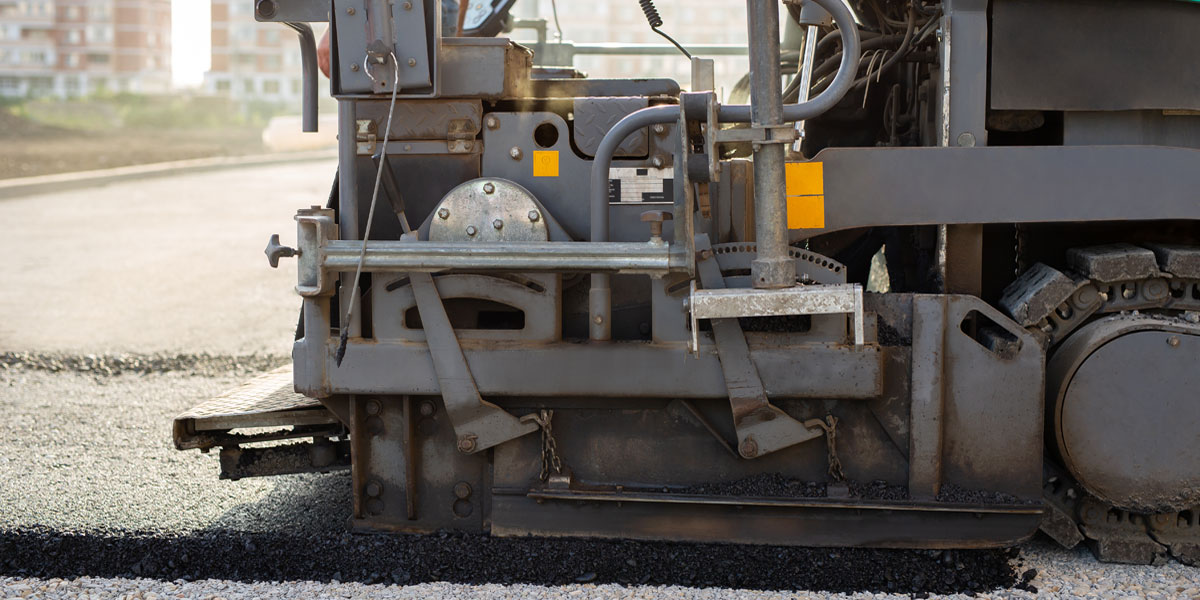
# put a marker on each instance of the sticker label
(545, 163)
(805, 185)
(641, 185)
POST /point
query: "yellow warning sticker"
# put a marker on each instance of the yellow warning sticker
(545, 163)
(805, 185)
(806, 212)
(804, 178)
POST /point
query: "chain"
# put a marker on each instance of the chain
(1017, 250)
(550, 459)
(829, 426)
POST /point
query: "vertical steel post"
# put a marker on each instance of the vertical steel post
(348, 194)
(771, 268)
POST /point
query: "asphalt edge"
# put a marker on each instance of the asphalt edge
(44, 184)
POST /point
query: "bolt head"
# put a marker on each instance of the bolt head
(373, 407)
(471, 230)
(660, 129)
(534, 216)
(748, 448)
(407, 5)
(492, 122)
(354, 67)
(658, 162)
(462, 490)
(498, 224)
(444, 213)
(515, 153)
(412, 62)
(374, 489)
(1173, 341)
(350, 10)
(466, 443)
(489, 188)
(597, 319)
(426, 409)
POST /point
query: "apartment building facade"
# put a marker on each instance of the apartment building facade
(76, 47)
(252, 60)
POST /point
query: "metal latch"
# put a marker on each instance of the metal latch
(365, 135)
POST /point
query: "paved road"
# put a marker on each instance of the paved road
(172, 266)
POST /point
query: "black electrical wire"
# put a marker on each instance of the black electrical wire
(655, 21)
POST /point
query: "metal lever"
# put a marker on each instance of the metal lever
(275, 251)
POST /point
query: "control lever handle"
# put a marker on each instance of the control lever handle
(275, 251)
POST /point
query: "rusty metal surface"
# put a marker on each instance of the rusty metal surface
(285, 459)
(1115, 384)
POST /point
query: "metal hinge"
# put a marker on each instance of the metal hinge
(460, 136)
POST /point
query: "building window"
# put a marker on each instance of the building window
(271, 62)
(9, 85)
(73, 60)
(97, 58)
(71, 86)
(223, 85)
(270, 86)
(74, 36)
(248, 86)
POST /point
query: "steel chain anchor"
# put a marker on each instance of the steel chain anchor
(550, 458)
(829, 426)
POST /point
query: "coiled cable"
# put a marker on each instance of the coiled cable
(655, 21)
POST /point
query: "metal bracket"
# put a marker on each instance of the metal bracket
(478, 424)
(779, 134)
(315, 226)
(761, 427)
(365, 136)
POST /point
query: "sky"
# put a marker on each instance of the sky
(190, 42)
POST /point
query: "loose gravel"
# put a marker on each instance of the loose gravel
(97, 503)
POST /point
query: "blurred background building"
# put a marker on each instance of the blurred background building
(71, 48)
(251, 60)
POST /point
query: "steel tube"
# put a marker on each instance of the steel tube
(308, 65)
(404, 257)
(771, 267)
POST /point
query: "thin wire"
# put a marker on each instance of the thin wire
(554, 7)
(362, 253)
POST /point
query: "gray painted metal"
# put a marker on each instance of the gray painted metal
(595, 116)
(1102, 435)
(478, 424)
(868, 187)
(298, 11)
(761, 427)
(1048, 55)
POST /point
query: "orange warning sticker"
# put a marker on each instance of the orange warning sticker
(545, 163)
(805, 185)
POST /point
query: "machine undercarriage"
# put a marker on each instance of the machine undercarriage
(935, 305)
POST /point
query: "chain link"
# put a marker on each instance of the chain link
(829, 426)
(550, 458)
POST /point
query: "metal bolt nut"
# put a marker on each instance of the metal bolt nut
(534, 216)
(412, 62)
(1173, 341)
(407, 5)
(426, 409)
(748, 448)
(350, 10)
(597, 319)
(374, 489)
(966, 139)
(658, 162)
(498, 224)
(462, 490)
(373, 407)
(489, 188)
(471, 230)
(444, 213)
(492, 122)
(660, 129)
(354, 67)
(515, 153)
(466, 443)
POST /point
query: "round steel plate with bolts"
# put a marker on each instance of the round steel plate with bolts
(1125, 411)
(488, 209)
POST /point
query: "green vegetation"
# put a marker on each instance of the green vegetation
(109, 112)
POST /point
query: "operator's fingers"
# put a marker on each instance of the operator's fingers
(323, 54)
